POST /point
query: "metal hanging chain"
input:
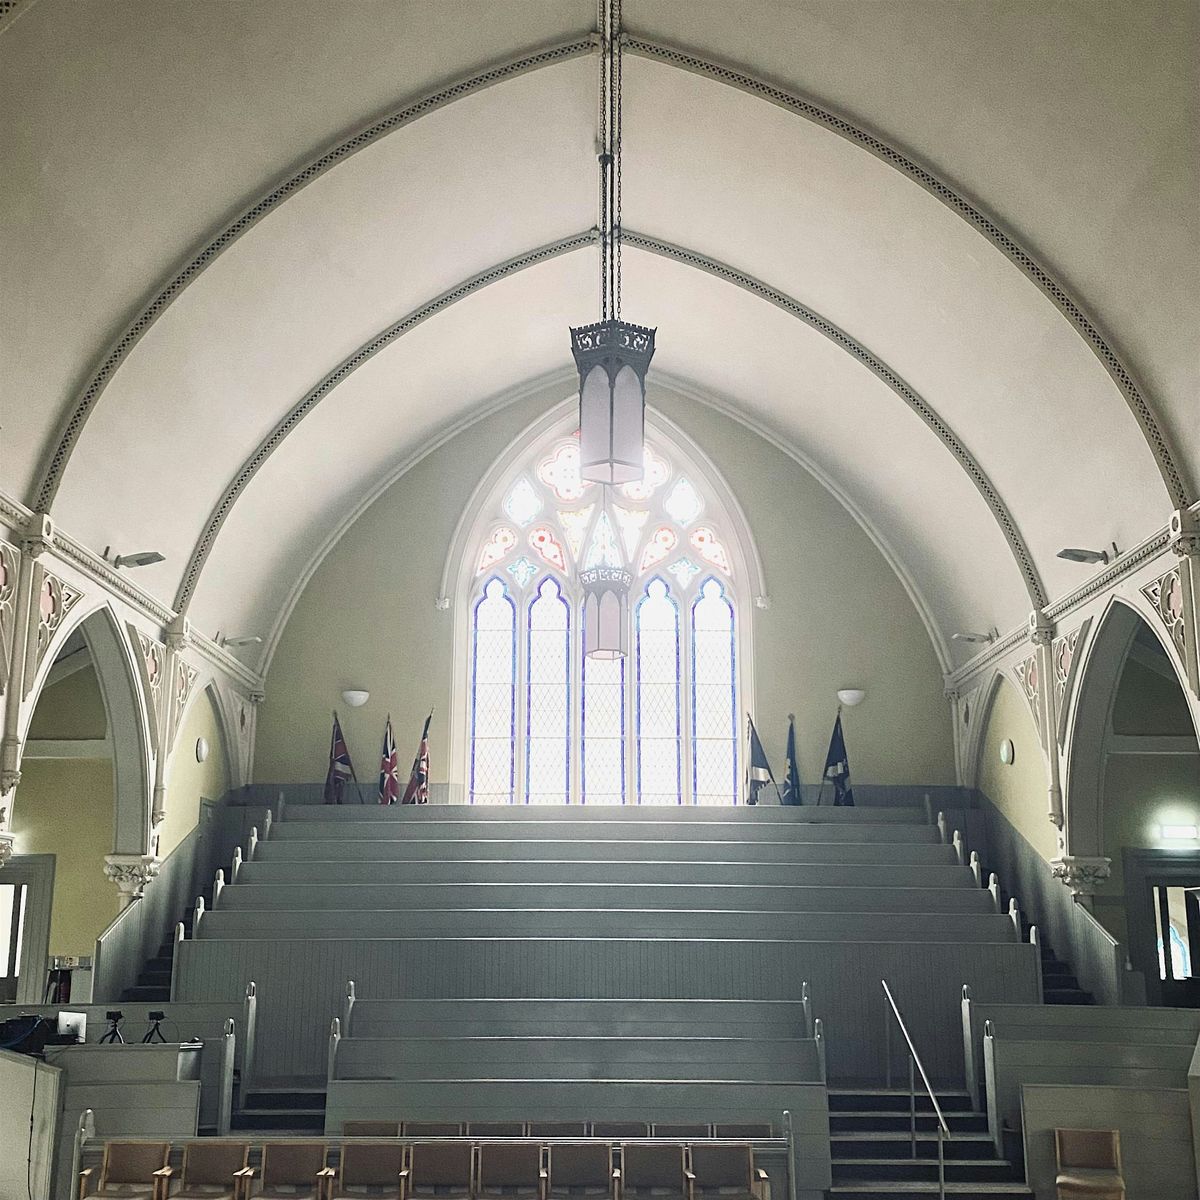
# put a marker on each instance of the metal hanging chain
(609, 22)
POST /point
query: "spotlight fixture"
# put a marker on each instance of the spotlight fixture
(1075, 554)
(245, 639)
(140, 558)
(989, 637)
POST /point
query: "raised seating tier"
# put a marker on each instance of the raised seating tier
(659, 923)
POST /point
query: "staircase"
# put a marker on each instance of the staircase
(154, 979)
(871, 1144)
(281, 1110)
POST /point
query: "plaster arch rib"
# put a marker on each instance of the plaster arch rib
(1023, 559)
(1165, 458)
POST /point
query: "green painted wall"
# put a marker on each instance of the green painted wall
(1018, 789)
(72, 708)
(839, 617)
(189, 781)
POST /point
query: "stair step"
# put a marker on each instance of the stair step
(970, 1170)
(146, 994)
(882, 1189)
(284, 1101)
(285, 1122)
(890, 1100)
(873, 1144)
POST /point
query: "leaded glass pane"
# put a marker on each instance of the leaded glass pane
(542, 539)
(603, 722)
(656, 471)
(662, 541)
(493, 696)
(683, 504)
(548, 710)
(522, 503)
(658, 715)
(603, 550)
(631, 522)
(714, 699)
(495, 548)
(575, 523)
(704, 542)
(560, 472)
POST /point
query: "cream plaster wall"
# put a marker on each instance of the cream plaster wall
(1018, 789)
(839, 617)
(189, 781)
(64, 807)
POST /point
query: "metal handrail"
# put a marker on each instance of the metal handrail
(914, 1061)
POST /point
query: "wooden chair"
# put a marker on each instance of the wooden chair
(658, 1169)
(620, 1129)
(212, 1171)
(743, 1132)
(728, 1171)
(370, 1169)
(495, 1129)
(513, 1167)
(1089, 1164)
(138, 1169)
(683, 1133)
(558, 1129)
(371, 1129)
(447, 1166)
(295, 1170)
(580, 1170)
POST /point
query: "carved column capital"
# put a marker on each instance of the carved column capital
(38, 538)
(1081, 873)
(6, 848)
(131, 873)
(1041, 628)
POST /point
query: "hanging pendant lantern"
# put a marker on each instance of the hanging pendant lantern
(612, 358)
(605, 579)
(612, 355)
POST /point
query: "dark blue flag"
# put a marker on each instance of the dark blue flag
(759, 773)
(791, 772)
(837, 765)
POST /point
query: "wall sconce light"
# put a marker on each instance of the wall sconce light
(1077, 554)
(851, 697)
(355, 697)
(201, 749)
(140, 558)
(240, 639)
(1179, 833)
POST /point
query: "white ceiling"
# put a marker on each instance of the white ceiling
(148, 126)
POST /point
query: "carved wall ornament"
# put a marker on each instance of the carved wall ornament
(1029, 679)
(53, 599)
(183, 680)
(1065, 657)
(6, 848)
(151, 656)
(1166, 594)
(9, 561)
(1082, 874)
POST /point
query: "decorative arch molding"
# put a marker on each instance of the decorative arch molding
(982, 700)
(800, 106)
(896, 382)
(1090, 711)
(126, 710)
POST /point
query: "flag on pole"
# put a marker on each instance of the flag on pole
(759, 771)
(340, 766)
(417, 791)
(791, 772)
(389, 767)
(837, 765)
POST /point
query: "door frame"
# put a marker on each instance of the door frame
(1141, 868)
(36, 871)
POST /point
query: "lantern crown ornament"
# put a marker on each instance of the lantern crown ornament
(605, 579)
(611, 355)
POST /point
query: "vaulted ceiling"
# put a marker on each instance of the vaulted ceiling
(257, 256)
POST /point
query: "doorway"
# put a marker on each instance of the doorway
(1162, 898)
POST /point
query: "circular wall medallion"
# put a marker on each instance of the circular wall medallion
(201, 749)
(1007, 752)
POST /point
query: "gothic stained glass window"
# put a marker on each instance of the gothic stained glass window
(493, 698)
(548, 698)
(658, 725)
(714, 717)
(546, 724)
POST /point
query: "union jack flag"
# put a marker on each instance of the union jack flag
(340, 766)
(417, 791)
(389, 767)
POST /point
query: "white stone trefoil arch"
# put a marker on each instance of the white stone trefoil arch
(111, 358)
(459, 578)
(1022, 557)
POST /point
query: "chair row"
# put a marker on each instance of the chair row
(555, 1129)
(465, 1170)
